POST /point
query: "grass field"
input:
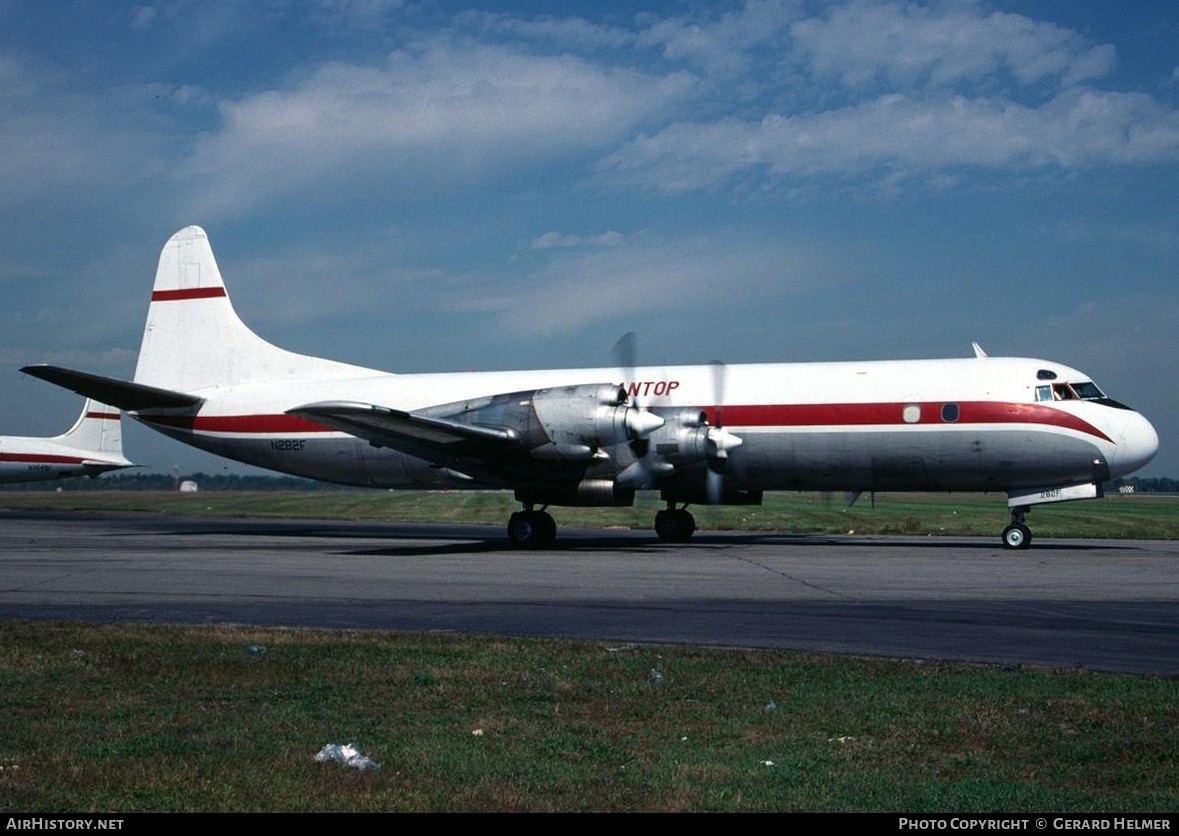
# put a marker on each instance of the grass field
(124, 718)
(133, 718)
(1136, 516)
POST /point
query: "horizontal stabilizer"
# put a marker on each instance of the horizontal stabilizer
(93, 470)
(401, 430)
(122, 394)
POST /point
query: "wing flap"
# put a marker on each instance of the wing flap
(410, 431)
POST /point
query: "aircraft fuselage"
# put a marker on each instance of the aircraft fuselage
(959, 424)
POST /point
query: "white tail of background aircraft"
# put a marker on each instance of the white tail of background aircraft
(1035, 429)
(93, 445)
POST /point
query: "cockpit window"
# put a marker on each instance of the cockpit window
(1084, 390)
(1088, 391)
(1080, 390)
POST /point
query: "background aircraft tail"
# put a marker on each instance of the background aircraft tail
(194, 339)
(97, 430)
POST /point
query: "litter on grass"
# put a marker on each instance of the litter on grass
(348, 755)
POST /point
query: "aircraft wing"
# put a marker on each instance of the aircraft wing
(109, 390)
(566, 425)
(432, 438)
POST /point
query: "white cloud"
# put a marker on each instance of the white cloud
(364, 14)
(904, 45)
(55, 141)
(897, 133)
(426, 112)
(558, 240)
(579, 289)
(142, 18)
(569, 32)
(722, 46)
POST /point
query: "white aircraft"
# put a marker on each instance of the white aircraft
(92, 446)
(713, 434)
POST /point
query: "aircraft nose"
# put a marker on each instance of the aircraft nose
(1136, 445)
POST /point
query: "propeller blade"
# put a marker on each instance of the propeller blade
(718, 390)
(626, 350)
(626, 353)
(715, 485)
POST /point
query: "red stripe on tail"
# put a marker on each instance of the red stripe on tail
(188, 293)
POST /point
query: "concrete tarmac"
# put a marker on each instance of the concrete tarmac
(1100, 605)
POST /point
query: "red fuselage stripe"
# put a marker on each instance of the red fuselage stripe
(254, 424)
(39, 458)
(891, 414)
(781, 416)
(187, 293)
(105, 416)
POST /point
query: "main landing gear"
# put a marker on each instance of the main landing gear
(531, 529)
(1017, 535)
(675, 525)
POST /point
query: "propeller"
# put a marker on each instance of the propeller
(625, 354)
(639, 421)
(637, 474)
(646, 469)
(719, 440)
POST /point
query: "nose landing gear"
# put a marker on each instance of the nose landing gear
(1017, 535)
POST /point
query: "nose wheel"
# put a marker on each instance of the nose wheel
(1017, 535)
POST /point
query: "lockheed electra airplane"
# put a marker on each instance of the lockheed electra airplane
(710, 434)
(92, 446)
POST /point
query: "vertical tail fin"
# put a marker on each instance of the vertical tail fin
(195, 340)
(98, 429)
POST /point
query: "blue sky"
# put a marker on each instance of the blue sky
(421, 186)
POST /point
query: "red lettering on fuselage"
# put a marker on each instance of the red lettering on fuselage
(650, 388)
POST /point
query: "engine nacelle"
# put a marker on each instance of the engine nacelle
(588, 493)
(683, 438)
(577, 421)
(564, 424)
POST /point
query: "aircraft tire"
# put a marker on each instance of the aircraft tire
(1016, 536)
(675, 526)
(531, 529)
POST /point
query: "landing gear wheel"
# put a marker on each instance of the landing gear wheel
(675, 526)
(1017, 536)
(531, 529)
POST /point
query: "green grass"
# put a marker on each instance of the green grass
(137, 718)
(1138, 516)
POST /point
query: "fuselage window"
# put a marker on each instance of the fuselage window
(911, 413)
(949, 412)
(1043, 393)
(1045, 374)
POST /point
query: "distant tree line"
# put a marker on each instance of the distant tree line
(1152, 485)
(232, 482)
(166, 482)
